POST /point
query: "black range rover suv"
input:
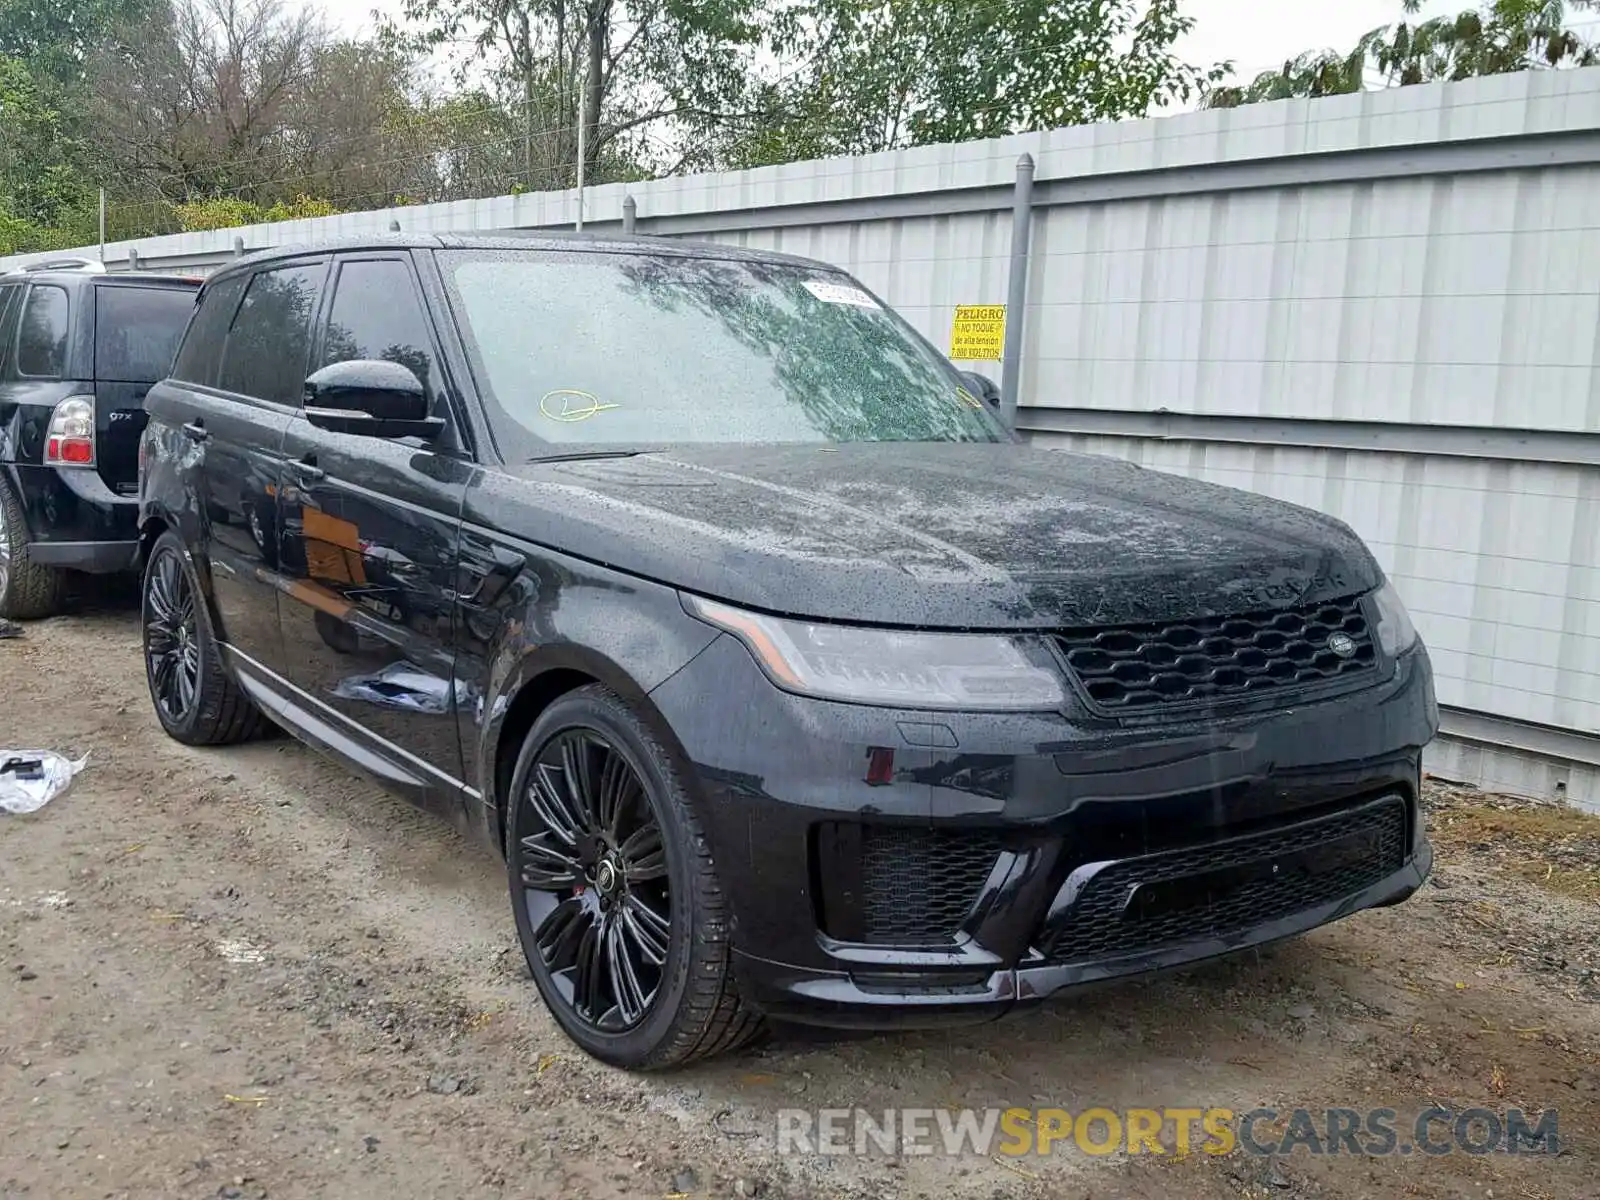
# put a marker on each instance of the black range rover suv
(787, 681)
(78, 351)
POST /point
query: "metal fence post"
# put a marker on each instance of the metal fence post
(133, 260)
(1017, 293)
(238, 247)
(630, 214)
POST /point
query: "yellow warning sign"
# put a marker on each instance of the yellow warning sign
(979, 333)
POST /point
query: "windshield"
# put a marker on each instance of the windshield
(596, 350)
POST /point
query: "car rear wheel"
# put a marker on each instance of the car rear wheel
(616, 898)
(196, 700)
(27, 589)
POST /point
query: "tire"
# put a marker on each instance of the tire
(694, 1011)
(27, 590)
(179, 645)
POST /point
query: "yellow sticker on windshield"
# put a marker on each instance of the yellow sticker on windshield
(569, 404)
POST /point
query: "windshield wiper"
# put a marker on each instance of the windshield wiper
(583, 455)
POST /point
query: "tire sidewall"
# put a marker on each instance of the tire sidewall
(608, 716)
(30, 590)
(16, 543)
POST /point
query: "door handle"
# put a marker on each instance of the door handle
(480, 583)
(195, 431)
(307, 471)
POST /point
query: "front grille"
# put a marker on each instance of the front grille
(1104, 922)
(1137, 668)
(918, 885)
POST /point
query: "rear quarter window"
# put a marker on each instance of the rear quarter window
(201, 353)
(42, 339)
(137, 331)
(270, 336)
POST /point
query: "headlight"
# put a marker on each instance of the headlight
(975, 672)
(1396, 633)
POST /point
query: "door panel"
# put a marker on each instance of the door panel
(368, 544)
(232, 450)
(235, 440)
(368, 539)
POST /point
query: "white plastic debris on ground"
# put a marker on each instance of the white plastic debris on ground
(30, 779)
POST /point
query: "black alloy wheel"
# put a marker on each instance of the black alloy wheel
(594, 874)
(616, 900)
(171, 637)
(196, 700)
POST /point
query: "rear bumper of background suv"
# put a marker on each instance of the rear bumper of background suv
(76, 521)
(893, 868)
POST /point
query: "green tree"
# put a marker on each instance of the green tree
(883, 74)
(44, 195)
(625, 65)
(55, 36)
(1500, 37)
(689, 84)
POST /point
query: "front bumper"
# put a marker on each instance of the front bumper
(888, 868)
(75, 520)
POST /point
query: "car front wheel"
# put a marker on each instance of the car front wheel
(196, 700)
(616, 897)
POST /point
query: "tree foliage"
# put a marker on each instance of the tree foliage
(884, 74)
(1501, 37)
(199, 114)
(626, 65)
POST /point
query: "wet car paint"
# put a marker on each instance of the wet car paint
(571, 572)
(78, 518)
(942, 535)
(1065, 789)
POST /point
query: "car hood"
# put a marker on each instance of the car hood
(933, 535)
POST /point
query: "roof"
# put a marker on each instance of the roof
(516, 239)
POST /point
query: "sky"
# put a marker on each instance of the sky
(1257, 35)
(1260, 35)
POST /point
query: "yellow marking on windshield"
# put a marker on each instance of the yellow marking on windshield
(569, 404)
(968, 398)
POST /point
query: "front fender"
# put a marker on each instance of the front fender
(560, 622)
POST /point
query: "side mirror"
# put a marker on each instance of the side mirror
(983, 388)
(372, 397)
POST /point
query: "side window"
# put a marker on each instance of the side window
(265, 354)
(376, 314)
(42, 340)
(201, 352)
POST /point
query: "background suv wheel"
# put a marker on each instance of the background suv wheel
(196, 700)
(26, 588)
(616, 898)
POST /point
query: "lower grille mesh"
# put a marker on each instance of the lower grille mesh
(1102, 925)
(919, 884)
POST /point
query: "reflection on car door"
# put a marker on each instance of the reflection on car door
(238, 373)
(368, 536)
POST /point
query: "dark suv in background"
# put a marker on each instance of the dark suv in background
(788, 682)
(78, 351)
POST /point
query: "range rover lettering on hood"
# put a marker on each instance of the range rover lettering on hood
(936, 535)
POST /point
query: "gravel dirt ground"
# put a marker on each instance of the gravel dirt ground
(251, 973)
